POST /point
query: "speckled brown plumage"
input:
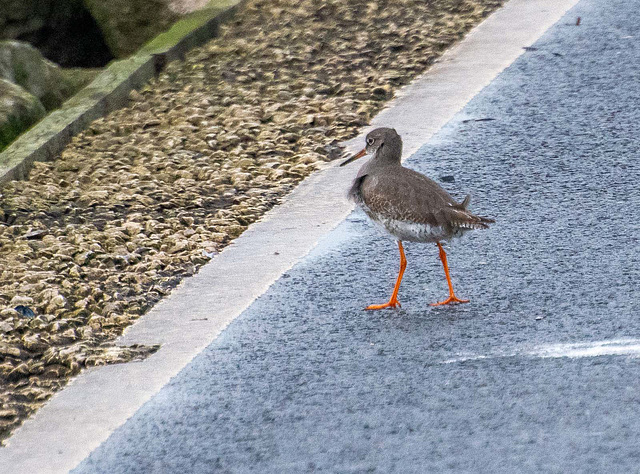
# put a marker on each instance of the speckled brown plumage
(407, 204)
(402, 194)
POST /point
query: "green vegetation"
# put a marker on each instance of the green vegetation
(184, 26)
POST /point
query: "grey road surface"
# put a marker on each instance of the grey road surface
(539, 373)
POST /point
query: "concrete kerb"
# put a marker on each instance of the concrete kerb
(109, 91)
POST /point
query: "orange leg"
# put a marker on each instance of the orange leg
(452, 297)
(393, 302)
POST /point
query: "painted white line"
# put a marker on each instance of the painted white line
(80, 417)
(466, 358)
(615, 347)
(574, 350)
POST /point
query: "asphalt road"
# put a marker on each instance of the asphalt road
(539, 373)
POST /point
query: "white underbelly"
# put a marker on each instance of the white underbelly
(411, 231)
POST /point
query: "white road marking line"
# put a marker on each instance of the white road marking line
(573, 350)
(588, 349)
(465, 358)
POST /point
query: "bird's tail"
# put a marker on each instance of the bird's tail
(470, 221)
(486, 220)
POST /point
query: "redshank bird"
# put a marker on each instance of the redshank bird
(408, 205)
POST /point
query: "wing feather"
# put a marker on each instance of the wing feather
(410, 196)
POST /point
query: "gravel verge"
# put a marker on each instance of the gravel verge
(151, 192)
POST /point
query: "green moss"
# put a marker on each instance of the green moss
(20, 73)
(76, 78)
(186, 25)
(11, 129)
(18, 111)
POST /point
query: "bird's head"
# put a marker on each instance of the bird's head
(383, 143)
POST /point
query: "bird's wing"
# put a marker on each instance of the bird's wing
(410, 196)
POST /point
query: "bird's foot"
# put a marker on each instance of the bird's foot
(452, 299)
(394, 303)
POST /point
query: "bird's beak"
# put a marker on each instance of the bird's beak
(360, 154)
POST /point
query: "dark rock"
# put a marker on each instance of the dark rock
(25, 311)
(36, 234)
(128, 24)
(18, 111)
(62, 30)
(23, 65)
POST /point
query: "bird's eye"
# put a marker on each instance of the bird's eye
(370, 141)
